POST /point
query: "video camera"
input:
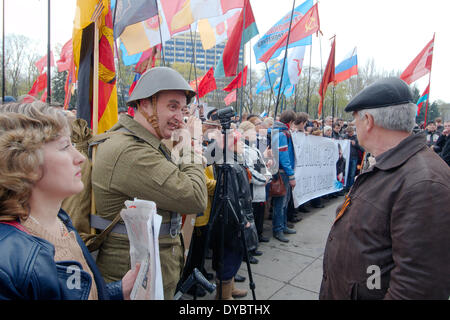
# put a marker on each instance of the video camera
(224, 116)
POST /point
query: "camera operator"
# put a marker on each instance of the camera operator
(226, 236)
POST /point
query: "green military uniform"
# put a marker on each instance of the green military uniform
(135, 164)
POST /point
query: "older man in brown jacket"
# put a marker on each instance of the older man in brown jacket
(391, 237)
(135, 163)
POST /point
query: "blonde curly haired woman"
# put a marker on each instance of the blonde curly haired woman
(43, 256)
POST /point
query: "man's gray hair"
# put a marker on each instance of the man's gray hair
(399, 118)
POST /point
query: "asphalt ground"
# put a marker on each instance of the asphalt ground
(293, 270)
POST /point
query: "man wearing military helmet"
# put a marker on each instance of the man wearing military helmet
(390, 238)
(135, 164)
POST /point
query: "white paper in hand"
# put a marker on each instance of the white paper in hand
(143, 223)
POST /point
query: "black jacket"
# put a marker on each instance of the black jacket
(445, 153)
(356, 149)
(335, 135)
(440, 143)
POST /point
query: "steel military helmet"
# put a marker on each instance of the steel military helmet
(159, 79)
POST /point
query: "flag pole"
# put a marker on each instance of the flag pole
(429, 87)
(95, 99)
(95, 80)
(309, 81)
(272, 93)
(333, 106)
(242, 46)
(295, 98)
(284, 62)
(250, 78)
(194, 45)
(3, 55)
(118, 75)
(49, 67)
(160, 36)
(321, 72)
(190, 72)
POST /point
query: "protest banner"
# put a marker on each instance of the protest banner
(321, 166)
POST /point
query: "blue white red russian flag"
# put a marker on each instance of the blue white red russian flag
(347, 68)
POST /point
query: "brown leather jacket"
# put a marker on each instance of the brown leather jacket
(393, 240)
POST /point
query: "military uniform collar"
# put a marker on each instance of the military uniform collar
(402, 152)
(138, 130)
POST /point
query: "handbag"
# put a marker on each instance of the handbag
(277, 187)
(251, 237)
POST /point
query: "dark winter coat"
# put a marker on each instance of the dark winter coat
(393, 240)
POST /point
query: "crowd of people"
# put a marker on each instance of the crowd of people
(40, 167)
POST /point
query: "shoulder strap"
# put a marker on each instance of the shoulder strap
(94, 243)
(100, 138)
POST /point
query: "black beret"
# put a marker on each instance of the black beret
(382, 93)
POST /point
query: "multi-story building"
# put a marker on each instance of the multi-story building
(181, 49)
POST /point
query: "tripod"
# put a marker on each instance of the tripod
(224, 210)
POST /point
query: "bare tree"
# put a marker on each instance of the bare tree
(20, 56)
(15, 50)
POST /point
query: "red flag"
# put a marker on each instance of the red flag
(328, 76)
(65, 57)
(420, 66)
(44, 96)
(39, 84)
(42, 63)
(231, 97)
(306, 26)
(237, 82)
(243, 31)
(207, 84)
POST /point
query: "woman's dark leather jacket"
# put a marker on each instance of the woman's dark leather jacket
(28, 270)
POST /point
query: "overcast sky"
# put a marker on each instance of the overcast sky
(392, 32)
